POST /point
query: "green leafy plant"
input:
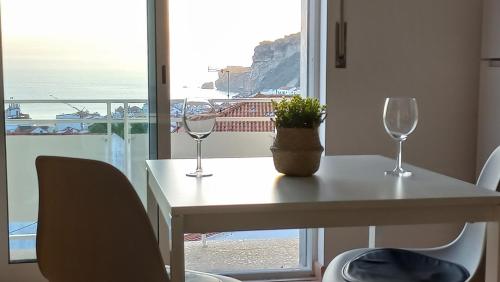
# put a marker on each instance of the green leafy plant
(298, 112)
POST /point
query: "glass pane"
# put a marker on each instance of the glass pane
(75, 85)
(240, 54)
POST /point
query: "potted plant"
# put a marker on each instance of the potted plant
(296, 148)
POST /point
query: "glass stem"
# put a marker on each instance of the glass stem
(198, 155)
(399, 157)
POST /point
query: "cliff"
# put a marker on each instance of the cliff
(207, 85)
(238, 79)
(275, 64)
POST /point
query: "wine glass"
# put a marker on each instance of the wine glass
(400, 119)
(199, 121)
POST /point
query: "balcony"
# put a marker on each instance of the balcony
(119, 136)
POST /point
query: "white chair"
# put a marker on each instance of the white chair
(466, 250)
(92, 226)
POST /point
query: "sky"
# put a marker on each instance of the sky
(110, 35)
(219, 33)
(88, 34)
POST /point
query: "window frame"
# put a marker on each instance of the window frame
(27, 270)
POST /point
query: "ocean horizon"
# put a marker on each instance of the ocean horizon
(85, 85)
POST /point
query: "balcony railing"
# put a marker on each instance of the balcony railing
(130, 147)
(127, 117)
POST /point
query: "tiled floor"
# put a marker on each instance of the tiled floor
(234, 255)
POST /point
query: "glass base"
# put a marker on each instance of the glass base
(199, 174)
(399, 172)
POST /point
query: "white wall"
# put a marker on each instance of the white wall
(489, 92)
(428, 49)
(224, 144)
(489, 113)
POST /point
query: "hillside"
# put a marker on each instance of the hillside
(275, 64)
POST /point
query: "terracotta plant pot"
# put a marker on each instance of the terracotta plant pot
(297, 151)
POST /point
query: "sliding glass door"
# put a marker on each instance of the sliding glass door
(75, 77)
(241, 55)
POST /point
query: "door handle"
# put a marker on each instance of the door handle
(494, 63)
(341, 40)
(163, 74)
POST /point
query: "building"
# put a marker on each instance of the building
(243, 110)
(14, 112)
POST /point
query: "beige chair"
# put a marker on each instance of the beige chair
(92, 226)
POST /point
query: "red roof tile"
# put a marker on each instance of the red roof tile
(246, 109)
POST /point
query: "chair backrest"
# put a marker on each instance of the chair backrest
(490, 174)
(469, 246)
(92, 225)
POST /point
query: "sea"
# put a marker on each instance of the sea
(54, 85)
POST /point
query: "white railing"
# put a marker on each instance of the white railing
(126, 102)
(108, 118)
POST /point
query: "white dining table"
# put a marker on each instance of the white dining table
(249, 194)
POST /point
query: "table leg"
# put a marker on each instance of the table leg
(177, 258)
(372, 236)
(493, 251)
(164, 238)
(159, 224)
(152, 209)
